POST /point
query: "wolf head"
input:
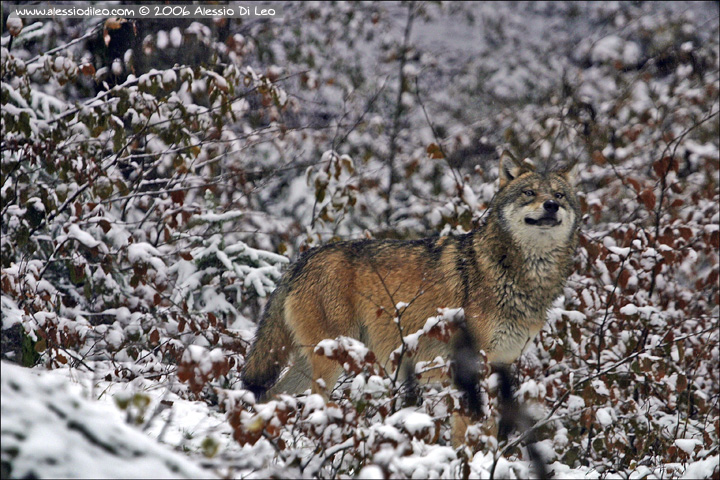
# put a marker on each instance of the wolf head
(539, 210)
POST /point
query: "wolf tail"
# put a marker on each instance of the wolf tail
(271, 348)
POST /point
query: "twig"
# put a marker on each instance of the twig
(398, 110)
(90, 33)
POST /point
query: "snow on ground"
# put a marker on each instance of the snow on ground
(52, 427)
(50, 431)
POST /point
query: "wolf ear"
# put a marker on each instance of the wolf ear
(569, 171)
(510, 168)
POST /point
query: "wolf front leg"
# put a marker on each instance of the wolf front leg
(459, 424)
(325, 373)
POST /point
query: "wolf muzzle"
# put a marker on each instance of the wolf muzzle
(549, 219)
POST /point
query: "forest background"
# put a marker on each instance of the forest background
(157, 176)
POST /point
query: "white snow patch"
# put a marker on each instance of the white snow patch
(605, 416)
(687, 445)
(629, 309)
(412, 421)
(58, 434)
(82, 237)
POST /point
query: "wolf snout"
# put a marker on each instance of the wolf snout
(549, 217)
(551, 206)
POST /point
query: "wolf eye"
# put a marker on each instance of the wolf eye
(529, 193)
(559, 195)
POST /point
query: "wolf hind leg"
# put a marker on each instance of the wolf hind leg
(298, 378)
(460, 423)
(318, 374)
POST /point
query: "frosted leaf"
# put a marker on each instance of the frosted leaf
(687, 445)
(141, 251)
(82, 237)
(411, 420)
(605, 416)
(14, 25)
(162, 40)
(175, 37)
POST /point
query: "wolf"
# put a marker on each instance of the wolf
(505, 275)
